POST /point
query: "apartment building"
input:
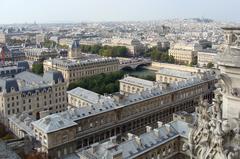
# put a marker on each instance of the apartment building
(166, 75)
(206, 56)
(75, 69)
(36, 95)
(39, 54)
(80, 97)
(131, 84)
(184, 53)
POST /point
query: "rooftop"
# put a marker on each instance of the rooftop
(27, 81)
(53, 123)
(73, 62)
(85, 94)
(138, 81)
(137, 145)
(175, 73)
(109, 103)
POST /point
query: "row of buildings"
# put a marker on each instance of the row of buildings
(91, 117)
(211, 132)
(187, 53)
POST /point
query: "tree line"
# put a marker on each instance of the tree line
(109, 51)
(102, 83)
(156, 55)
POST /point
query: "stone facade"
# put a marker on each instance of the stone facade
(39, 54)
(184, 53)
(74, 70)
(229, 65)
(134, 85)
(38, 96)
(114, 116)
(166, 75)
(206, 56)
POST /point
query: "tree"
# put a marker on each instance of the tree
(210, 65)
(37, 68)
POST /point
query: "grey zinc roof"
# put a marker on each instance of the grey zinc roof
(53, 123)
(85, 94)
(30, 77)
(175, 73)
(27, 81)
(53, 76)
(23, 121)
(8, 84)
(137, 145)
(137, 81)
(6, 152)
(76, 63)
(108, 103)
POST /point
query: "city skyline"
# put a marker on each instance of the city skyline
(73, 11)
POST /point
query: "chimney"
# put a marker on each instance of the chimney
(148, 129)
(113, 139)
(138, 140)
(130, 136)
(95, 147)
(168, 127)
(159, 123)
(156, 132)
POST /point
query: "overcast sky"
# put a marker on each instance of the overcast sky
(51, 11)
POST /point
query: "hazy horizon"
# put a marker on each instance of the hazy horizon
(76, 11)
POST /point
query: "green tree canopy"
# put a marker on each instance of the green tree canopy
(37, 68)
(210, 65)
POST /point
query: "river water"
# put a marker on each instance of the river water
(140, 72)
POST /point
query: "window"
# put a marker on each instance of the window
(65, 138)
(90, 125)
(79, 128)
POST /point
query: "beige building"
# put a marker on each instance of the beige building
(80, 97)
(157, 65)
(116, 117)
(184, 53)
(39, 54)
(76, 69)
(134, 46)
(131, 84)
(206, 56)
(36, 95)
(166, 75)
(2, 38)
(40, 38)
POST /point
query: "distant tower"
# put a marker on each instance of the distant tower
(74, 51)
(229, 64)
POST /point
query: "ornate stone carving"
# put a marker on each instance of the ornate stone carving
(211, 136)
